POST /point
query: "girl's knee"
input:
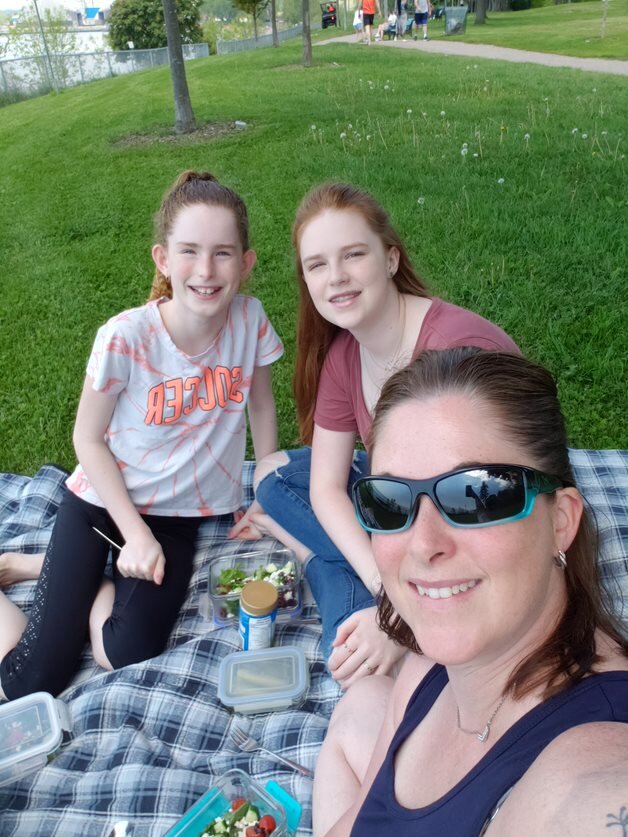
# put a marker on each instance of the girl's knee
(268, 464)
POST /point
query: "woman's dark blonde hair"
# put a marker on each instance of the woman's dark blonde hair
(314, 333)
(523, 397)
(190, 188)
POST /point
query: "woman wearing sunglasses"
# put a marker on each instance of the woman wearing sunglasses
(363, 314)
(512, 717)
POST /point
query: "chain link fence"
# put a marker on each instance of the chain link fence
(224, 47)
(40, 74)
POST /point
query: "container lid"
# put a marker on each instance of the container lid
(272, 675)
(259, 598)
(31, 728)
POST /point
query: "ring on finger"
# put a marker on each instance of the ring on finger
(369, 668)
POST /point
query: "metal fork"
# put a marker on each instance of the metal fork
(248, 744)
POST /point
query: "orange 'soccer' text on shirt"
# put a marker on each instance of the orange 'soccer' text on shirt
(218, 386)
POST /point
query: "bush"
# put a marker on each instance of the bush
(142, 22)
(520, 5)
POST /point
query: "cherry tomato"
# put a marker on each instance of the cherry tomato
(237, 803)
(267, 823)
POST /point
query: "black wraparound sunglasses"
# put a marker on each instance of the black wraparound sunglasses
(482, 495)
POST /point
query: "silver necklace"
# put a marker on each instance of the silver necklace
(390, 365)
(483, 735)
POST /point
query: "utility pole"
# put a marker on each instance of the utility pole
(49, 70)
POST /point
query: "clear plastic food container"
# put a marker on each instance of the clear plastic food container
(266, 680)
(31, 732)
(227, 575)
(271, 800)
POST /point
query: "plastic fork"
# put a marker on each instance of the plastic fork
(247, 744)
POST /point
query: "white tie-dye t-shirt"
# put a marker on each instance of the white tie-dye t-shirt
(178, 430)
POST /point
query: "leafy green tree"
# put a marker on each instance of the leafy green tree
(47, 39)
(142, 23)
(253, 8)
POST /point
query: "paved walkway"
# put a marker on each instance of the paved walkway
(593, 65)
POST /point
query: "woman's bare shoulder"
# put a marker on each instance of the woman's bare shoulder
(578, 785)
(414, 668)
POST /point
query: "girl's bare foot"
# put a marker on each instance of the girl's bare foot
(15, 566)
(267, 525)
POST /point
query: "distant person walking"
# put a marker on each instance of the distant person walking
(421, 15)
(358, 23)
(368, 17)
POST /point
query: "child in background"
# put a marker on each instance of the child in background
(160, 438)
(357, 23)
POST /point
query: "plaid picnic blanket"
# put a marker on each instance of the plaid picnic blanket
(148, 740)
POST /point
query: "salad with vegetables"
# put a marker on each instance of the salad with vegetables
(232, 580)
(242, 821)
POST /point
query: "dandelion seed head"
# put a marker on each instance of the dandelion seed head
(465, 144)
(349, 126)
(585, 136)
(464, 151)
(442, 113)
(574, 130)
(421, 201)
(343, 135)
(475, 154)
(594, 90)
(604, 133)
(312, 127)
(526, 137)
(485, 88)
(409, 111)
(386, 87)
(501, 181)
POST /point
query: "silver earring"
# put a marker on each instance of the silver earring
(561, 560)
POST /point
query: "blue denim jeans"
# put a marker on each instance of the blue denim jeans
(337, 588)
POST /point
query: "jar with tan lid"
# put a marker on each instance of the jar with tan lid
(258, 610)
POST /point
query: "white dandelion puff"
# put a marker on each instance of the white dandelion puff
(421, 201)
(464, 151)
(526, 137)
(585, 136)
(409, 111)
(442, 113)
(343, 135)
(501, 181)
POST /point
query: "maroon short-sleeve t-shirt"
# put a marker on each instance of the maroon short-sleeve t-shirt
(340, 402)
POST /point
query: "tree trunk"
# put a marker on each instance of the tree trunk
(273, 22)
(183, 115)
(307, 35)
(255, 22)
(480, 11)
(604, 18)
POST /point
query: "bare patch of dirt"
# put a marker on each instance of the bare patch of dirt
(203, 133)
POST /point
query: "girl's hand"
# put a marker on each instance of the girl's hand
(362, 649)
(245, 528)
(142, 557)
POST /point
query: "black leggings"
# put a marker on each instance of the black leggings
(48, 653)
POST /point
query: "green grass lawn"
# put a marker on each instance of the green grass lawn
(507, 182)
(567, 29)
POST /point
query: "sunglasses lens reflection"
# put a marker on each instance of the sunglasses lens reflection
(470, 498)
(384, 504)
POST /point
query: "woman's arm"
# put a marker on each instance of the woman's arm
(578, 785)
(360, 647)
(361, 706)
(262, 413)
(141, 555)
(332, 454)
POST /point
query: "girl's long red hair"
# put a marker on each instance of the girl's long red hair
(314, 333)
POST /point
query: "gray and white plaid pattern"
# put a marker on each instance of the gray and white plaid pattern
(149, 739)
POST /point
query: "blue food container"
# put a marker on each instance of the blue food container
(235, 784)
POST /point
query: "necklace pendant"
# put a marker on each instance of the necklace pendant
(482, 736)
